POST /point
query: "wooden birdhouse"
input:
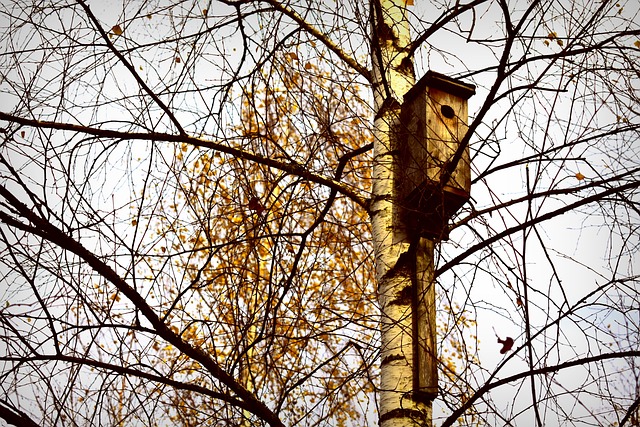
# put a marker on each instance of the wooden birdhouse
(435, 174)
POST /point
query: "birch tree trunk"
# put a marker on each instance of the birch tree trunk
(393, 74)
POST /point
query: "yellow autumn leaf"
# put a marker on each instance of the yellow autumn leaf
(552, 35)
(117, 30)
(579, 176)
(637, 44)
(291, 56)
(560, 42)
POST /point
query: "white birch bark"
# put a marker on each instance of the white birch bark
(393, 73)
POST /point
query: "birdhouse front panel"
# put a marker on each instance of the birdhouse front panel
(434, 120)
(446, 126)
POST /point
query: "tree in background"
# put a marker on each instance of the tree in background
(187, 189)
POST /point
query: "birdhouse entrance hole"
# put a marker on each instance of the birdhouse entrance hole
(447, 112)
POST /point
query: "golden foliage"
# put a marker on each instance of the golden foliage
(272, 275)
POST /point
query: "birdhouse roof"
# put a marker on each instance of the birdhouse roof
(444, 83)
